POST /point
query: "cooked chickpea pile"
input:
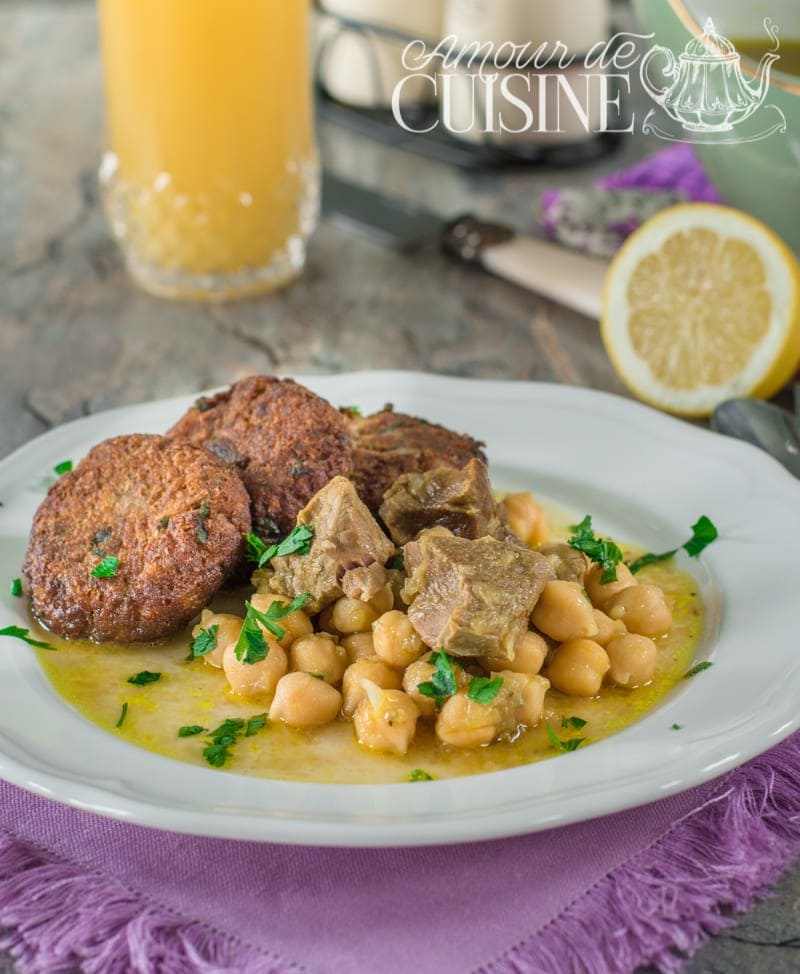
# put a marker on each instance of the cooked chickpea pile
(364, 661)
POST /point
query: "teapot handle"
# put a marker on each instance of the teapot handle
(671, 71)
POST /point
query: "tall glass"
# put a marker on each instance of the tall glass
(211, 180)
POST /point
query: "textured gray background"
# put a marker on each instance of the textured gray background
(76, 336)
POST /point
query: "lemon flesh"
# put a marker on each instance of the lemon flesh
(702, 303)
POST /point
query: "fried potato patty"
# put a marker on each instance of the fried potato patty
(172, 515)
(388, 444)
(286, 442)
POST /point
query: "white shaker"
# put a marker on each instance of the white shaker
(573, 26)
(358, 66)
(578, 24)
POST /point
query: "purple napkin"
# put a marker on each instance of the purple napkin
(598, 219)
(649, 885)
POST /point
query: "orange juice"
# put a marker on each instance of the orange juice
(211, 181)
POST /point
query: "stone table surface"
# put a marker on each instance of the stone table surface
(76, 336)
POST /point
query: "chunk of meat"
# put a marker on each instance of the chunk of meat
(568, 564)
(460, 500)
(347, 540)
(472, 597)
(388, 444)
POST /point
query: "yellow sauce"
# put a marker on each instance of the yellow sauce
(93, 679)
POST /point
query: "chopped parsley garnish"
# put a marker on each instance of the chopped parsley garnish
(225, 736)
(216, 754)
(15, 588)
(483, 690)
(17, 632)
(203, 404)
(397, 562)
(204, 642)
(163, 523)
(570, 745)
(297, 542)
(677, 727)
(602, 551)
(705, 665)
(202, 523)
(143, 678)
(255, 724)
(123, 714)
(191, 730)
(318, 676)
(106, 568)
(578, 723)
(64, 467)
(419, 775)
(353, 410)
(703, 533)
(251, 646)
(443, 682)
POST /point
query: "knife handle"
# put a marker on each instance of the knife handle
(569, 278)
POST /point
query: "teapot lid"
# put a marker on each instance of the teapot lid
(709, 44)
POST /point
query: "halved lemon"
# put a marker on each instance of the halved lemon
(702, 303)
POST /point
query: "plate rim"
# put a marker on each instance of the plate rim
(443, 794)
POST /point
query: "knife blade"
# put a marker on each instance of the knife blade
(572, 279)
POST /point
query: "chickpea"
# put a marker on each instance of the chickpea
(578, 667)
(396, 640)
(607, 628)
(529, 656)
(643, 609)
(633, 660)
(319, 654)
(374, 670)
(255, 679)
(525, 518)
(383, 601)
(359, 645)
(530, 688)
(260, 580)
(228, 629)
(418, 672)
(385, 720)
(601, 593)
(466, 723)
(304, 701)
(563, 612)
(325, 621)
(352, 615)
(295, 625)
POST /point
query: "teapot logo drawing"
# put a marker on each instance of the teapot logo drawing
(706, 91)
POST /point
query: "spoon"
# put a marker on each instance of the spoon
(769, 427)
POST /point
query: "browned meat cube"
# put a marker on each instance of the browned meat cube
(460, 500)
(472, 597)
(347, 539)
(388, 444)
(568, 564)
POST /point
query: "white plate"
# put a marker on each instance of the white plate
(644, 477)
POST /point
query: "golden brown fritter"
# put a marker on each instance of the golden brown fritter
(171, 513)
(388, 444)
(285, 441)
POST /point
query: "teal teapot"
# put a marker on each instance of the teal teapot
(708, 91)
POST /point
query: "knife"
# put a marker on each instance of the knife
(569, 278)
